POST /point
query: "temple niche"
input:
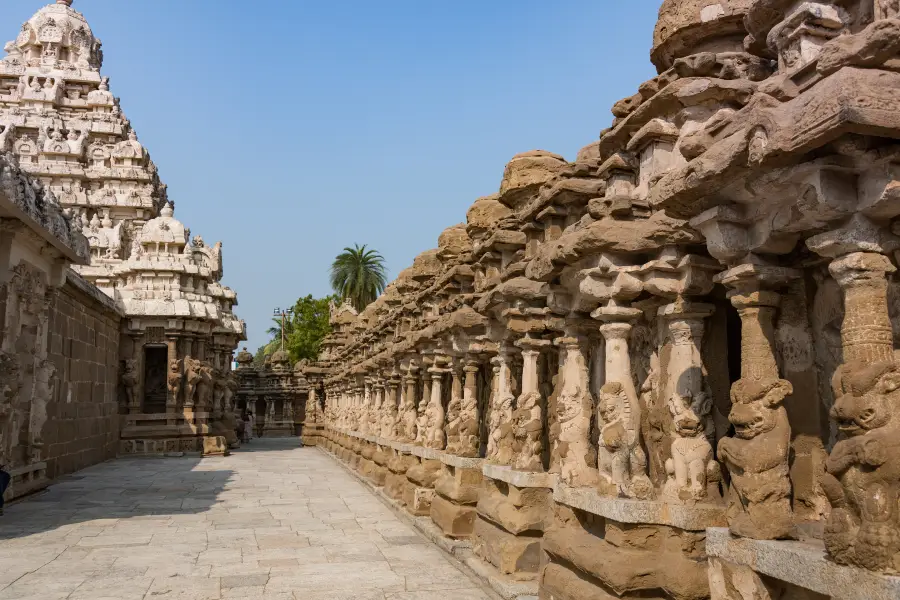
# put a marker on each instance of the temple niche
(668, 367)
(63, 126)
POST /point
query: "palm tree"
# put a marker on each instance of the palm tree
(358, 275)
(275, 333)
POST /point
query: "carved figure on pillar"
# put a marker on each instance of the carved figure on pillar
(500, 436)
(692, 474)
(363, 423)
(759, 502)
(575, 408)
(390, 422)
(862, 481)
(621, 460)
(408, 410)
(421, 417)
(529, 416)
(192, 377)
(654, 427)
(469, 435)
(44, 387)
(173, 381)
(231, 387)
(434, 414)
(218, 393)
(129, 382)
(454, 411)
(691, 470)
(205, 388)
(759, 499)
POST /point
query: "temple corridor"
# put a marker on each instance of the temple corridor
(272, 521)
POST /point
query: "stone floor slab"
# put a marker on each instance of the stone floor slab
(271, 522)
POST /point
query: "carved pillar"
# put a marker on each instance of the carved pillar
(363, 424)
(287, 415)
(621, 460)
(173, 374)
(492, 418)
(421, 419)
(500, 436)
(435, 415)
(688, 403)
(470, 439)
(390, 423)
(862, 482)
(759, 496)
(530, 407)
(311, 404)
(378, 409)
(409, 413)
(270, 412)
(576, 459)
(454, 408)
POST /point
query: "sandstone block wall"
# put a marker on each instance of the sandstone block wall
(83, 424)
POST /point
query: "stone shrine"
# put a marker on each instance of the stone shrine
(274, 394)
(668, 368)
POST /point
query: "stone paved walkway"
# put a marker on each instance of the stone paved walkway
(271, 522)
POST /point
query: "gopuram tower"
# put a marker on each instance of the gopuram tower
(61, 123)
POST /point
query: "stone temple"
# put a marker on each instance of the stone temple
(665, 370)
(117, 334)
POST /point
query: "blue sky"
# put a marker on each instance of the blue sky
(289, 129)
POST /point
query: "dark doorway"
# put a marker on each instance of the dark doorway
(155, 391)
(483, 386)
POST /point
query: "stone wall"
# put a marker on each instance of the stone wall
(83, 424)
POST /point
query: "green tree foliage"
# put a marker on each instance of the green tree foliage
(304, 330)
(358, 274)
(309, 326)
(275, 334)
(260, 357)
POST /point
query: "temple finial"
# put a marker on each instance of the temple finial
(66, 2)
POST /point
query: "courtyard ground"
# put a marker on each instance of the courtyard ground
(272, 521)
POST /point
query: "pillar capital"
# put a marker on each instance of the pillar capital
(860, 268)
(751, 277)
(617, 330)
(616, 313)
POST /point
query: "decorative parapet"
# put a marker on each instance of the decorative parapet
(28, 201)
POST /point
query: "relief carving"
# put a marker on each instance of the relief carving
(575, 408)
(174, 380)
(622, 461)
(500, 437)
(759, 503)
(130, 380)
(692, 473)
(192, 378)
(863, 470)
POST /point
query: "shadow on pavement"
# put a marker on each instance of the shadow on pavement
(129, 488)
